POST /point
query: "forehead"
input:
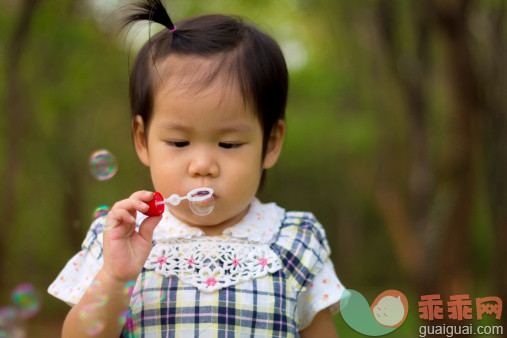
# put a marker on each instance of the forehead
(197, 89)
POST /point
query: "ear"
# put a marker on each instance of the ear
(274, 146)
(140, 141)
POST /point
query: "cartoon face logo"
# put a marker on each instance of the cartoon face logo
(390, 308)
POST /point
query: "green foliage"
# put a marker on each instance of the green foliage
(345, 108)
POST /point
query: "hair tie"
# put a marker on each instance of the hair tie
(173, 30)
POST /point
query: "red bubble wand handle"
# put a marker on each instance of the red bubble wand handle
(158, 202)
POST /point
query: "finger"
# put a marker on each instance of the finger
(143, 195)
(131, 205)
(148, 226)
(118, 216)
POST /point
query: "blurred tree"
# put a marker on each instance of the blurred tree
(397, 130)
(19, 118)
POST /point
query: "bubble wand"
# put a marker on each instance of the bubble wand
(195, 195)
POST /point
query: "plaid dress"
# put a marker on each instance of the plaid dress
(182, 293)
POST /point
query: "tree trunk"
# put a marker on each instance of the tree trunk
(17, 126)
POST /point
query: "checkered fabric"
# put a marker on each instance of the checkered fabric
(263, 307)
(95, 237)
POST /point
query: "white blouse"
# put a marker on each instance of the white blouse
(175, 242)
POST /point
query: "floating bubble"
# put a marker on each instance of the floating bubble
(92, 319)
(128, 290)
(103, 165)
(8, 316)
(127, 321)
(98, 295)
(131, 327)
(100, 211)
(13, 332)
(123, 317)
(26, 300)
(151, 292)
(110, 224)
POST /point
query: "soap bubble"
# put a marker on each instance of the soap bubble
(12, 332)
(103, 165)
(202, 210)
(128, 290)
(92, 319)
(8, 316)
(100, 211)
(123, 317)
(97, 294)
(127, 321)
(26, 300)
(202, 203)
(151, 291)
(130, 326)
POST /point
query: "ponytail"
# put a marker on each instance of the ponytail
(150, 10)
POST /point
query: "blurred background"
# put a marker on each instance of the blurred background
(397, 139)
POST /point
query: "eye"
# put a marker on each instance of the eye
(229, 145)
(178, 144)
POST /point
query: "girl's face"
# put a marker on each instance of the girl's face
(207, 140)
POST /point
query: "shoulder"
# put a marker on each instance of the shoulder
(303, 221)
(302, 246)
(303, 227)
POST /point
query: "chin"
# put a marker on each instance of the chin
(210, 219)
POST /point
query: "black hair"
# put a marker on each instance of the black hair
(240, 51)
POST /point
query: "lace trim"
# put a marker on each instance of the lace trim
(260, 224)
(212, 263)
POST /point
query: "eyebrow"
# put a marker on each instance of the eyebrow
(226, 129)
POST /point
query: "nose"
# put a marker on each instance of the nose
(203, 163)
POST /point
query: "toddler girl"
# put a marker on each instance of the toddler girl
(208, 98)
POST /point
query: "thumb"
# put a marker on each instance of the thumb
(148, 226)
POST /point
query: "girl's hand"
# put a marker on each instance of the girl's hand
(126, 250)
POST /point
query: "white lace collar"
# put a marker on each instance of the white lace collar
(210, 263)
(260, 224)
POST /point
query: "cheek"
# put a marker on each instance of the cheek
(248, 164)
(245, 180)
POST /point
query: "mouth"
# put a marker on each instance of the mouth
(204, 196)
(203, 202)
(206, 201)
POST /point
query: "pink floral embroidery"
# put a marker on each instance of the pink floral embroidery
(235, 262)
(324, 281)
(190, 261)
(263, 261)
(211, 281)
(162, 260)
(325, 297)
